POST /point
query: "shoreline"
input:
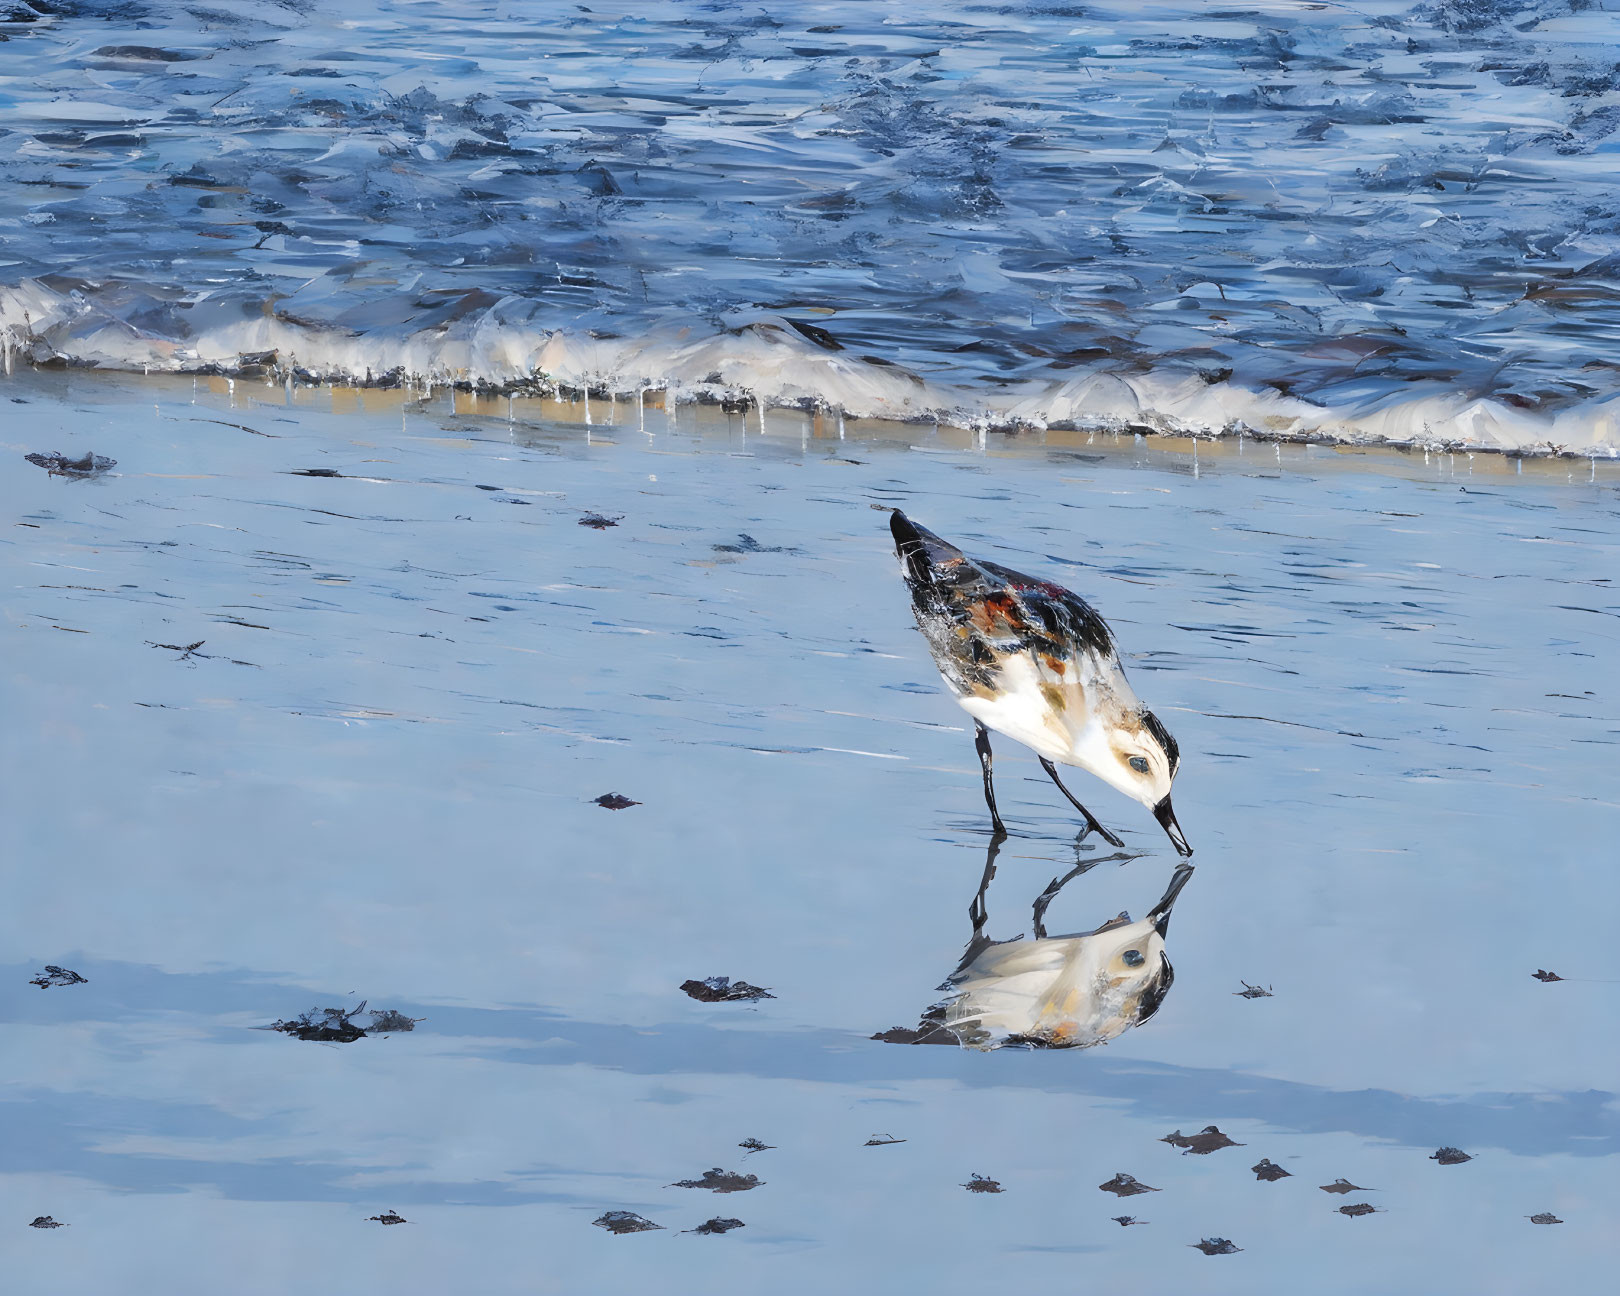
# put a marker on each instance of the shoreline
(714, 407)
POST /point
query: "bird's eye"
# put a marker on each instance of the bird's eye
(1139, 764)
(1132, 958)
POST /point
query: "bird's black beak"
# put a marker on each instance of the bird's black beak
(1167, 820)
(1159, 915)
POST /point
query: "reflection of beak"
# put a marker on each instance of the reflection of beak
(1167, 820)
(1159, 915)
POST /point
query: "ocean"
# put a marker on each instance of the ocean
(1357, 222)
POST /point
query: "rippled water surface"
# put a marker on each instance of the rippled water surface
(1348, 220)
(276, 742)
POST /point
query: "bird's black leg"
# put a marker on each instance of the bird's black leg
(981, 740)
(1091, 819)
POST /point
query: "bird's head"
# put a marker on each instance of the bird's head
(1142, 763)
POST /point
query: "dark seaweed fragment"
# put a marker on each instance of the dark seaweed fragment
(881, 1140)
(754, 1145)
(1541, 975)
(1268, 1171)
(724, 990)
(1207, 1140)
(58, 976)
(321, 1026)
(981, 1184)
(721, 1181)
(186, 651)
(1252, 991)
(1124, 1185)
(719, 1226)
(1358, 1208)
(1450, 1156)
(338, 1025)
(1342, 1186)
(619, 1221)
(388, 1217)
(747, 544)
(316, 472)
(1125, 1221)
(1545, 1217)
(59, 465)
(1216, 1246)
(613, 801)
(597, 522)
(45, 1221)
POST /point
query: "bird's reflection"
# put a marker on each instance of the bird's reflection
(1073, 991)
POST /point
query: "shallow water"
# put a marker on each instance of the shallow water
(1392, 680)
(1356, 221)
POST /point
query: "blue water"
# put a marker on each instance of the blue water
(1357, 221)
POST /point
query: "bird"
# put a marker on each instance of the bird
(1034, 661)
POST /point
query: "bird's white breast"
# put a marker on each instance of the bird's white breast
(1022, 711)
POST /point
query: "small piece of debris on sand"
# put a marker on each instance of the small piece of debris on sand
(1546, 1217)
(613, 801)
(597, 522)
(1344, 1186)
(754, 1145)
(624, 1222)
(1450, 1156)
(58, 976)
(980, 1184)
(1252, 991)
(881, 1140)
(719, 1226)
(721, 1181)
(1358, 1208)
(1216, 1246)
(1124, 1185)
(1125, 1221)
(1541, 974)
(45, 1221)
(59, 465)
(747, 544)
(186, 651)
(338, 1025)
(724, 990)
(1207, 1140)
(388, 1217)
(1269, 1171)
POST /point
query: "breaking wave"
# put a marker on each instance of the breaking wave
(770, 360)
(1342, 221)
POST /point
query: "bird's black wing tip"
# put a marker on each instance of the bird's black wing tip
(908, 543)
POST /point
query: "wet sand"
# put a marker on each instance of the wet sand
(375, 777)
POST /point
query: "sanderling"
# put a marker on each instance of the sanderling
(1034, 661)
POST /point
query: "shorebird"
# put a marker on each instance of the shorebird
(1034, 661)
